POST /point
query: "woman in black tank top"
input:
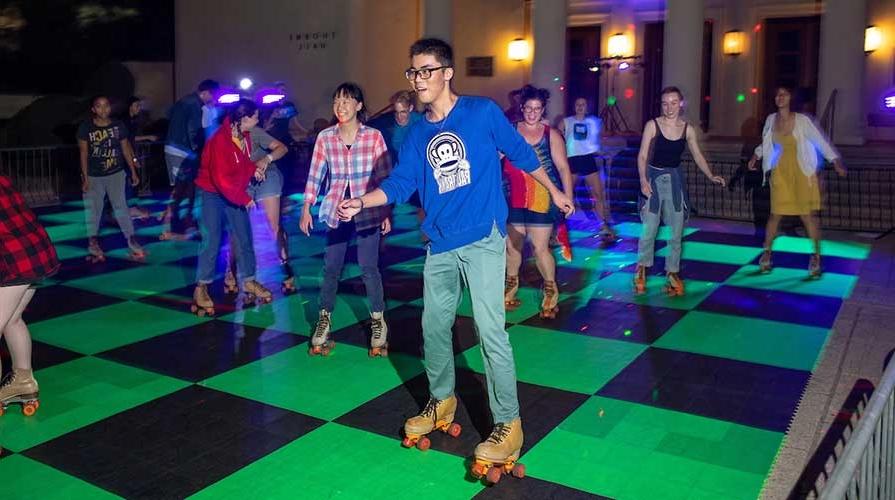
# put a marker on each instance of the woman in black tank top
(663, 189)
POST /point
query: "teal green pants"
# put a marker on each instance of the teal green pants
(482, 266)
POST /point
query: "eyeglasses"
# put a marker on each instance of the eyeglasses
(529, 109)
(424, 73)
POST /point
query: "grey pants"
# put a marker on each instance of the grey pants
(112, 186)
(673, 218)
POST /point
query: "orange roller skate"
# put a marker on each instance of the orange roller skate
(640, 280)
(202, 303)
(674, 286)
(230, 284)
(21, 388)
(814, 268)
(549, 306)
(437, 415)
(565, 244)
(607, 236)
(498, 454)
(510, 288)
(321, 344)
(95, 251)
(135, 250)
(764, 263)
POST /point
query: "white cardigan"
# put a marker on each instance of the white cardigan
(809, 140)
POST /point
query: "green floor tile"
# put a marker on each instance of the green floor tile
(26, 478)
(715, 252)
(69, 217)
(161, 252)
(597, 259)
(306, 246)
(104, 328)
(746, 339)
(847, 249)
(565, 361)
(634, 229)
(324, 387)
(794, 280)
(70, 252)
(74, 231)
(297, 313)
(415, 266)
(79, 393)
(531, 304)
(138, 282)
(335, 461)
(412, 239)
(618, 287)
(630, 451)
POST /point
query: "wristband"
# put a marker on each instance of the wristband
(361, 203)
(269, 158)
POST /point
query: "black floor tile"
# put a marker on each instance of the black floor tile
(79, 267)
(692, 270)
(510, 488)
(541, 409)
(736, 391)
(568, 279)
(42, 356)
(405, 332)
(175, 445)
(204, 350)
(180, 299)
(405, 287)
(59, 300)
(611, 320)
(813, 310)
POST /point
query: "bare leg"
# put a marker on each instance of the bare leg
(595, 183)
(13, 300)
(515, 242)
(813, 228)
(540, 242)
(771, 230)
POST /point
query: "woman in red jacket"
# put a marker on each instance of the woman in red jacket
(224, 175)
(26, 257)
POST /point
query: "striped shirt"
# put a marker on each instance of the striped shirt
(358, 169)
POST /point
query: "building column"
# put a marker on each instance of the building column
(842, 67)
(437, 19)
(549, 19)
(682, 52)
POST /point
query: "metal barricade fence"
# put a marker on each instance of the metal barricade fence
(866, 468)
(35, 173)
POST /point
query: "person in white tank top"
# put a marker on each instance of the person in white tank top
(582, 133)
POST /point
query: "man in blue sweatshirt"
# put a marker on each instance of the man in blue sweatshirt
(451, 159)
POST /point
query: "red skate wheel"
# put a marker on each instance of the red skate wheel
(493, 475)
(2, 410)
(29, 409)
(423, 444)
(518, 471)
(478, 470)
(408, 443)
(454, 430)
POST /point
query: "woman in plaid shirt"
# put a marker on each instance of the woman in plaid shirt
(26, 257)
(356, 158)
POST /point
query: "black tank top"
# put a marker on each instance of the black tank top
(666, 153)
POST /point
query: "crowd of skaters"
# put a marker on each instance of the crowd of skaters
(483, 185)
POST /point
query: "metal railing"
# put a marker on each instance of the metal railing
(828, 117)
(862, 201)
(35, 172)
(866, 468)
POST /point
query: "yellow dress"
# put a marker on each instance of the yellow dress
(792, 192)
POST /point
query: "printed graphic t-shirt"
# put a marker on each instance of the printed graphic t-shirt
(104, 153)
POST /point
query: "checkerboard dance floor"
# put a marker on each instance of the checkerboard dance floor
(622, 397)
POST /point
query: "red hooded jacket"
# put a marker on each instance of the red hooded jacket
(225, 168)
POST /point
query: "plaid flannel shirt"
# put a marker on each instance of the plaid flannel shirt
(360, 169)
(26, 253)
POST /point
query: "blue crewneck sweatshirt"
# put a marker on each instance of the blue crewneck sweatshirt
(454, 164)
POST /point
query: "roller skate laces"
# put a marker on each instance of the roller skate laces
(674, 286)
(20, 387)
(379, 335)
(256, 292)
(549, 306)
(814, 268)
(202, 304)
(436, 415)
(321, 344)
(640, 280)
(498, 454)
(95, 251)
(510, 288)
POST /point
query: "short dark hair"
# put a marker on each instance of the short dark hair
(530, 92)
(241, 109)
(97, 97)
(210, 85)
(352, 90)
(672, 89)
(797, 96)
(434, 47)
(402, 96)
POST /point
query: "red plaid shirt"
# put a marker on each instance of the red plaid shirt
(359, 169)
(26, 253)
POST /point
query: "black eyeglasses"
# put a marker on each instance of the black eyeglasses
(424, 73)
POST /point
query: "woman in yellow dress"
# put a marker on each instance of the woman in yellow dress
(788, 151)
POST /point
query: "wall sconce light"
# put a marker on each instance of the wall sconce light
(873, 39)
(620, 45)
(734, 42)
(518, 50)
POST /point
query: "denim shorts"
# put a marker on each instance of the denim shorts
(525, 217)
(270, 187)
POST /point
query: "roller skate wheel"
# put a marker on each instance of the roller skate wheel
(493, 475)
(478, 470)
(454, 430)
(2, 410)
(28, 409)
(423, 444)
(518, 471)
(408, 442)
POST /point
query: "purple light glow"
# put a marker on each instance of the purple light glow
(623, 66)
(889, 102)
(228, 98)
